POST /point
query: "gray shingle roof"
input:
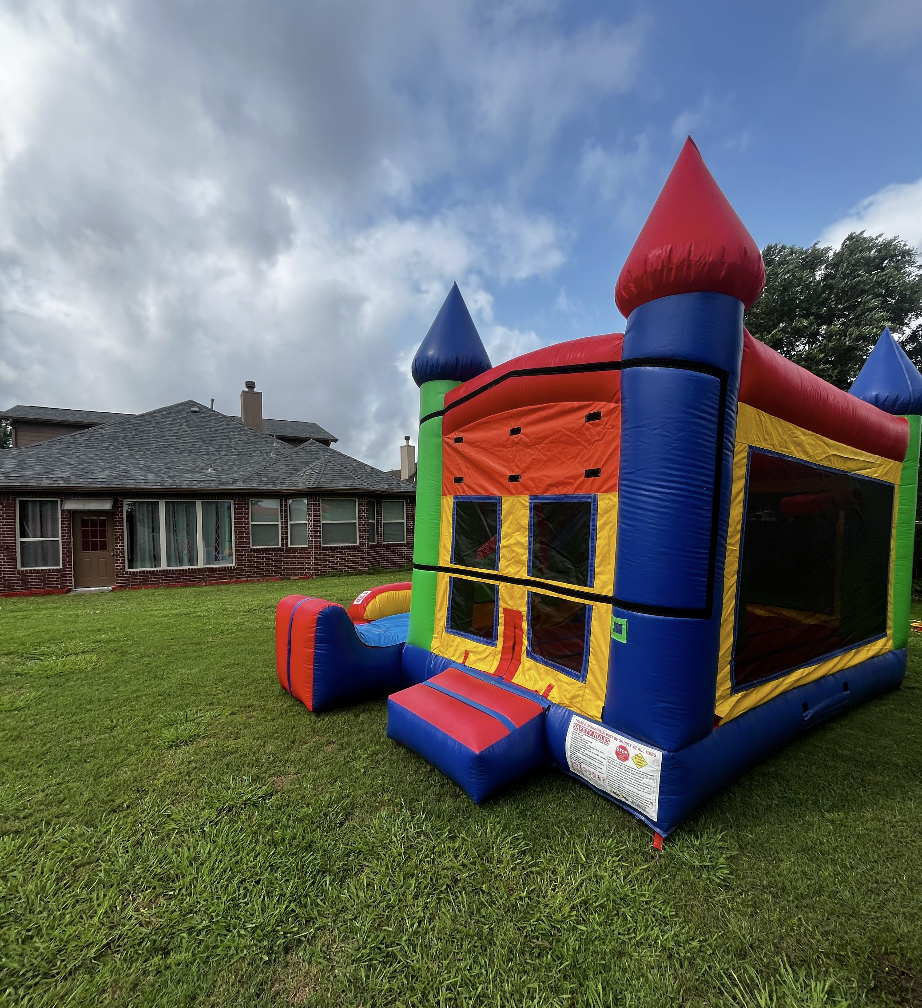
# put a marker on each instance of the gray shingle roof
(61, 416)
(297, 429)
(187, 446)
(315, 467)
(51, 414)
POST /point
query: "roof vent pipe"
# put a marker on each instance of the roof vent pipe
(251, 406)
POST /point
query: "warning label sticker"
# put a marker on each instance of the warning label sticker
(619, 766)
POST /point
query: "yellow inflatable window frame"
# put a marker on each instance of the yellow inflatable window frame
(755, 429)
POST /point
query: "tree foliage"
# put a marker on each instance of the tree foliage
(6, 434)
(825, 308)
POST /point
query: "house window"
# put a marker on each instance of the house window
(172, 533)
(181, 527)
(561, 541)
(297, 522)
(815, 566)
(339, 524)
(39, 528)
(372, 522)
(394, 524)
(265, 527)
(217, 532)
(142, 522)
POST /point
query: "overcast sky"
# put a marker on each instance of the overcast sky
(194, 193)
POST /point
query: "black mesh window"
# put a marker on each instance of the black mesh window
(476, 534)
(561, 541)
(558, 631)
(472, 608)
(815, 568)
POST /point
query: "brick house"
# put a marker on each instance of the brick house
(188, 495)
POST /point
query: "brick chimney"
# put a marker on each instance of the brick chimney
(251, 406)
(407, 459)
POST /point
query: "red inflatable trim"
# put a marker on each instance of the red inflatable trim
(775, 385)
(535, 390)
(513, 636)
(693, 240)
(295, 631)
(282, 617)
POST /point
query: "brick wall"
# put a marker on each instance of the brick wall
(329, 559)
(250, 563)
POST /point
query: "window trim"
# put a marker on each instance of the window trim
(251, 523)
(59, 539)
(371, 523)
(394, 500)
(200, 539)
(354, 521)
(593, 533)
(306, 523)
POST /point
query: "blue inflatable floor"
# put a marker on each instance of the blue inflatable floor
(385, 631)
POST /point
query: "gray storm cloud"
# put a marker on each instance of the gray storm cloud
(196, 194)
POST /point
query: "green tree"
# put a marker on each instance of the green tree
(825, 308)
(6, 434)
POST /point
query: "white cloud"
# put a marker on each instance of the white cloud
(895, 211)
(612, 173)
(196, 194)
(688, 121)
(566, 304)
(889, 26)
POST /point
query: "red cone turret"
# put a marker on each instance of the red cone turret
(692, 241)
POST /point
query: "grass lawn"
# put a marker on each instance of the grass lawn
(177, 830)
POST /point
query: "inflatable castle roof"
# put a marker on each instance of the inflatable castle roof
(692, 241)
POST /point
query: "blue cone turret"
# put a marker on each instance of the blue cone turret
(452, 349)
(889, 380)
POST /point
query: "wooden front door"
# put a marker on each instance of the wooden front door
(94, 551)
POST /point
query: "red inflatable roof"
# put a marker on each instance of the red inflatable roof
(501, 393)
(692, 241)
(780, 387)
(768, 381)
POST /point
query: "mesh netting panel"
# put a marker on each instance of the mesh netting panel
(476, 534)
(561, 541)
(815, 568)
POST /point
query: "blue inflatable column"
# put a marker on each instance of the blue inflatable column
(679, 391)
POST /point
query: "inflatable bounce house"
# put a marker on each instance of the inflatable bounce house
(651, 558)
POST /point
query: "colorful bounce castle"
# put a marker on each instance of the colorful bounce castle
(651, 558)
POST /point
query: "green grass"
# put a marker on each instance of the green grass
(176, 830)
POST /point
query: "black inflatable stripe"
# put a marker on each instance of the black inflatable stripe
(476, 574)
(663, 362)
